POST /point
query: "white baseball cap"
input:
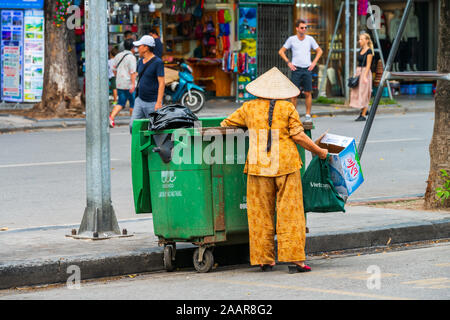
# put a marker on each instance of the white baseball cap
(145, 40)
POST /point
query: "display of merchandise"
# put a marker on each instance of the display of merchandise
(223, 18)
(236, 62)
(363, 5)
(121, 19)
(148, 21)
(248, 37)
(219, 40)
(34, 47)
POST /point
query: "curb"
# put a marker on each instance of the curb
(76, 123)
(55, 125)
(385, 200)
(352, 111)
(29, 273)
(395, 234)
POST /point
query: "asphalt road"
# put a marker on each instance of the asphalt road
(414, 273)
(42, 173)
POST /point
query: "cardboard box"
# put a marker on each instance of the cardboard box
(345, 167)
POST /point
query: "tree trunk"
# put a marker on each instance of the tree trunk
(61, 94)
(439, 147)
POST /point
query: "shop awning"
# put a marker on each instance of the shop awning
(21, 4)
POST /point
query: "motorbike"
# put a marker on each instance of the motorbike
(185, 91)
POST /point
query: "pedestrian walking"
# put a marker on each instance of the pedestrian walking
(124, 66)
(360, 95)
(151, 84)
(301, 65)
(158, 44)
(112, 77)
(273, 170)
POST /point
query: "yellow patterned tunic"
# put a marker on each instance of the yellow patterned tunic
(273, 184)
(283, 158)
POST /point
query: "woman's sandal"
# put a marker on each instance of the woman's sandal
(297, 268)
(266, 267)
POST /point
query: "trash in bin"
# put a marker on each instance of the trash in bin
(345, 167)
(172, 117)
(164, 145)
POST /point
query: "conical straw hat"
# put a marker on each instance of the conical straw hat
(273, 85)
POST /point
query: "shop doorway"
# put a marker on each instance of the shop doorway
(274, 27)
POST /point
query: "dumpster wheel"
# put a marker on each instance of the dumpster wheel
(169, 263)
(207, 261)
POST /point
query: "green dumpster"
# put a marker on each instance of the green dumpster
(198, 193)
(194, 187)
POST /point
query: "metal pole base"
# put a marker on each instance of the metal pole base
(88, 235)
(99, 224)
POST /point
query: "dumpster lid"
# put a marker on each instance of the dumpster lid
(214, 131)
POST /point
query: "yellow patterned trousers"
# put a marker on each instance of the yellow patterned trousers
(283, 194)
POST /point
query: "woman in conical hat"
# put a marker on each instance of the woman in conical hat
(273, 170)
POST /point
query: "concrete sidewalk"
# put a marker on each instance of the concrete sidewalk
(42, 255)
(215, 108)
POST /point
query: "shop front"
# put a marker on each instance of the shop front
(417, 50)
(22, 50)
(198, 32)
(201, 34)
(228, 43)
(418, 46)
(419, 42)
(265, 25)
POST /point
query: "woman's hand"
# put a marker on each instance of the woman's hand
(365, 79)
(323, 154)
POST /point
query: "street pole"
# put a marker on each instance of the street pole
(355, 33)
(99, 220)
(347, 48)
(387, 70)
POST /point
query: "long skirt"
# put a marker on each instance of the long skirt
(263, 195)
(360, 96)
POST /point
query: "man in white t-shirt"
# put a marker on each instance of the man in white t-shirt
(301, 65)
